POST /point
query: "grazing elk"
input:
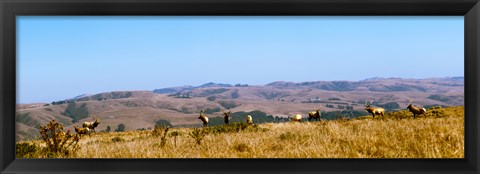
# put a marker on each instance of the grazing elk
(314, 115)
(226, 116)
(415, 110)
(249, 119)
(91, 125)
(297, 118)
(374, 111)
(203, 118)
(82, 131)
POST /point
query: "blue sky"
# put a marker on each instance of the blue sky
(61, 57)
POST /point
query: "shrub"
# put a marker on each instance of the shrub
(286, 136)
(399, 114)
(242, 147)
(198, 135)
(164, 138)
(120, 128)
(25, 150)
(158, 130)
(57, 142)
(117, 139)
(174, 134)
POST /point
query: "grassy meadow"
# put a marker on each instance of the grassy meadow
(398, 135)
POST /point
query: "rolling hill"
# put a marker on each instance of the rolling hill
(180, 105)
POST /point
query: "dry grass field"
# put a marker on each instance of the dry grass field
(396, 136)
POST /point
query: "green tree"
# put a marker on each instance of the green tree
(120, 128)
(163, 123)
(108, 129)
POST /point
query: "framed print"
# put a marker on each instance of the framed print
(239, 86)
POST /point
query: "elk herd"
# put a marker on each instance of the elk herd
(87, 127)
(375, 111)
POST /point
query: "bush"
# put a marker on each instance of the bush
(174, 134)
(25, 150)
(164, 137)
(120, 128)
(58, 143)
(158, 130)
(117, 139)
(198, 135)
(242, 147)
(286, 136)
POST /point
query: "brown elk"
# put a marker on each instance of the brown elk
(374, 111)
(226, 116)
(297, 118)
(314, 115)
(82, 131)
(415, 110)
(203, 118)
(249, 119)
(92, 125)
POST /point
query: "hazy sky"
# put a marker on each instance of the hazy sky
(61, 57)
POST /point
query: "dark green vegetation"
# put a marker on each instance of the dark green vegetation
(163, 123)
(120, 128)
(258, 118)
(76, 112)
(26, 119)
(228, 104)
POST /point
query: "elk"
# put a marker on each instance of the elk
(249, 119)
(203, 118)
(226, 116)
(314, 115)
(82, 131)
(415, 110)
(297, 118)
(92, 125)
(374, 111)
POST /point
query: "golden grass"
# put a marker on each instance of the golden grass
(431, 137)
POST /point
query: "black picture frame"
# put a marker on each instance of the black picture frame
(9, 9)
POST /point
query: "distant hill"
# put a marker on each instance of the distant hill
(180, 105)
(189, 87)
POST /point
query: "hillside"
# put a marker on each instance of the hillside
(398, 135)
(180, 105)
